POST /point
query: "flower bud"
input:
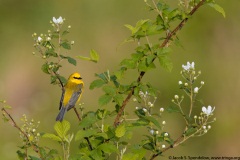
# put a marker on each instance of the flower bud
(161, 109)
(176, 96)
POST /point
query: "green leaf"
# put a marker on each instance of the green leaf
(108, 148)
(96, 154)
(65, 32)
(72, 61)
(129, 63)
(120, 131)
(81, 134)
(104, 99)
(52, 136)
(89, 120)
(118, 98)
(62, 128)
(120, 73)
(84, 58)
(148, 146)
(217, 8)
(109, 90)
(34, 158)
(173, 108)
(66, 45)
(45, 68)
(165, 62)
(190, 131)
(94, 55)
(7, 106)
(97, 83)
(21, 155)
(153, 120)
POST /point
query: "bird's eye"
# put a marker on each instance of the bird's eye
(77, 77)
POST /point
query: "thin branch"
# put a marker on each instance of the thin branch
(14, 124)
(86, 138)
(78, 116)
(165, 42)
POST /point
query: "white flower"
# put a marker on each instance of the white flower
(165, 134)
(48, 39)
(180, 82)
(144, 109)
(161, 109)
(202, 82)
(163, 146)
(196, 90)
(151, 131)
(209, 127)
(208, 110)
(39, 39)
(163, 122)
(150, 104)
(189, 66)
(58, 21)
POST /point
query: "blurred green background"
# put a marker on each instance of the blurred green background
(208, 39)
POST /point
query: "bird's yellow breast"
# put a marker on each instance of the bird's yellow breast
(70, 88)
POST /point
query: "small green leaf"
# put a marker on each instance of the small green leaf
(89, 120)
(66, 45)
(97, 83)
(94, 55)
(81, 134)
(21, 155)
(84, 58)
(173, 108)
(62, 128)
(148, 146)
(109, 90)
(52, 136)
(118, 98)
(72, 61)
(7, 107)
(129, 63)
(108, 148)
(96, 154)
(120, 131)
(104, 99)
(165, 62)
(190, 131)
(45, 68)
(65, 32)
(217, 8)
(153, 120)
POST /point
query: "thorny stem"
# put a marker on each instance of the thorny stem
(141, 74)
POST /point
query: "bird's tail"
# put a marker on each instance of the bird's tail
(61, 114)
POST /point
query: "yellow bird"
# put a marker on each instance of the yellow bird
(71, 94)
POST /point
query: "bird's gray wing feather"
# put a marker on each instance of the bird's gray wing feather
(74, 97)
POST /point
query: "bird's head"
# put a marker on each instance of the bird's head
(75, 78)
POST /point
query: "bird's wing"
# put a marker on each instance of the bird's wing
(61, 100)
(74, 97)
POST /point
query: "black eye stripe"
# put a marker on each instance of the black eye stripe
(77, 77)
